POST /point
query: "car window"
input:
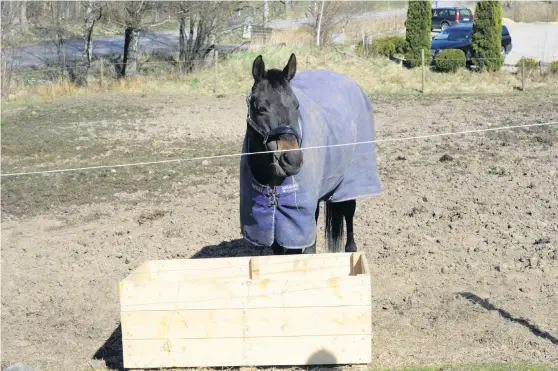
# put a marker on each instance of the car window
(453, 35)
(465, 12)
(458, 35)
(443, 13)
(434, 13)
(452, 12)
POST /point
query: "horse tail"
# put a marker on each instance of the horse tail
(334, 226)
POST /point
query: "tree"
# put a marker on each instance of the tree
(200, 23)
(135, 12)
(418, 23)
(486, 39)
(93, 13)
(326, 16)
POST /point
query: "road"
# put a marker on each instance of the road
(539, 41)
(533, 40)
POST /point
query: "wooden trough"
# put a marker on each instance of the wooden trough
(248, 311)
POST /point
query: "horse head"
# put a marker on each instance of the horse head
(273, 123)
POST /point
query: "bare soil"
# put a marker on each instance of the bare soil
(462, 243)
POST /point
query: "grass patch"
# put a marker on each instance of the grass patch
(233, 76)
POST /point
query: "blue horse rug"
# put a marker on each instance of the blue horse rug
(334, 110)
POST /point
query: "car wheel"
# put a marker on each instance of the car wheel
(444, 25)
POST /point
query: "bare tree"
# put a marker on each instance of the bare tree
(325, 16)
(200, 23)
(8, 40)
(23, 15)
(135, 13)
(93, 12)
(55, 28)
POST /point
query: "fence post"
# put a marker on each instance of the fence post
(216, 57)
(522, 74)
(102, 73)
(423, 68)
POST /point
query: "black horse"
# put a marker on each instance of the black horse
(281, 189)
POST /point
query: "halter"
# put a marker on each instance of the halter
(281, 129)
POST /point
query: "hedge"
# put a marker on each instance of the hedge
(486, 39)
(417, 37)
(553, 67)
(450, 60)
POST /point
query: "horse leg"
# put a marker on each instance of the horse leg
(348, 209)
(277, 250)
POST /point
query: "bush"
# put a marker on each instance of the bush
(399, 42)
(486, 39)
(553, 67)
(418, 24)
(383, 46)
(450, 60)
(530, 63)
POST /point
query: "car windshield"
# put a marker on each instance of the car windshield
(453, 35)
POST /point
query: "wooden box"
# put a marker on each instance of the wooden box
(248, 311)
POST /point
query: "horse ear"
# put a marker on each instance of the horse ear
(258, 68)
(290, 69)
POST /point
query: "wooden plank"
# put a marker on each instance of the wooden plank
(321, 266)
(304, 350)
(354, 262)
(228, 294)
(363, 265)
(295, 261)
(254, 269)
(140, 274)
(239, 323)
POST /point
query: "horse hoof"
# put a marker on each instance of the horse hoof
(351, 248)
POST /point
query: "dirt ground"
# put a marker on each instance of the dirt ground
(462, 243)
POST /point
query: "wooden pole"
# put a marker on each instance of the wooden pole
(423, 68)
(522, 74)
(102, 74)
(216, 57)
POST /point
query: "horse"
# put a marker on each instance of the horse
(299, 149)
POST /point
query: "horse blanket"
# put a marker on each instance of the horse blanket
(334, 110)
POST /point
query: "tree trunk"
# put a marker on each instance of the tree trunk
(23, 14)
(131, 44)
(90, 19)
(319, 33)
(182, 43)
(266, 13)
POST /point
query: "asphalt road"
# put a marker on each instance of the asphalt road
(533, 40)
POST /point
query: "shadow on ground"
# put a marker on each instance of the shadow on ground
(111, 351)
(522, 321)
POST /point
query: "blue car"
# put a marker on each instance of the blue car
(459, 37)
